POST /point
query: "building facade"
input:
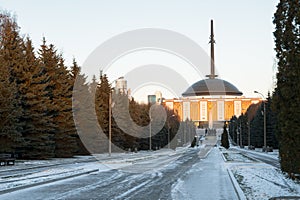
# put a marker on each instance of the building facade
(211, 101)
(209, 111)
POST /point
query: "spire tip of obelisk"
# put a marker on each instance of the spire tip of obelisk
(212, 51)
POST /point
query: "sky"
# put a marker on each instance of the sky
(243, 29)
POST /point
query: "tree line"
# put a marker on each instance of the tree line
(37, 109)
(248, 128)
(283, 106)
(131, 123)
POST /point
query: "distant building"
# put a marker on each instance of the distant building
(211, 101)
(152, 99)
(158, 95)
(121, 86)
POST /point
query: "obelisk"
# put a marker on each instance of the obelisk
(212, 51)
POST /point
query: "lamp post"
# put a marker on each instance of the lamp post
(110, 105)
(109, 125)
(150, 134)
(241, 136)
(265, 119)
(249, 139)
(238, 135)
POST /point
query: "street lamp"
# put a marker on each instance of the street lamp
(249, 139)
(238, 134)
(110, 105)
(241, 136)
(265, 125)
(150, 134)
(109, 124)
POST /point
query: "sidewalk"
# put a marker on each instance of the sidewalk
(206, 146)
(208, 179)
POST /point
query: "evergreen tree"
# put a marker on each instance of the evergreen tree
(193, 144)
(82, 111)
(233, 129)
(10, 136)
(93, 85)
(224, 137)
(257, 127)
(38, 126)
(65, 136)
(271, 124)
(10, 51)
(124, 130)
(101, 101)
(140, 116)
(251, 113)
(286, 97)
(18, 56)
(243, 129)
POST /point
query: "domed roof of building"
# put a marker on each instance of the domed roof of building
(212, 86)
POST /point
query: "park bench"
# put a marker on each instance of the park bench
(251, 147)
(268, 149)
(6, 159)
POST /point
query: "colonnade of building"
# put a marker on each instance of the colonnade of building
(206, 112)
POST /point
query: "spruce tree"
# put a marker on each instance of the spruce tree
(38, 126)
(224, 137)
(82, 110)
(271, 124)
(10, 56)
(65, 136)
(10, 135)
(140, 116)
(25, 73)
(102, 104)
(286, 97)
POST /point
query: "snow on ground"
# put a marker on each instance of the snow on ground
(259, 180)
(256, 179)
(130, 162)
(207, 179)
(258, 151)
(62, 168)
(34, 177)
(262, 181)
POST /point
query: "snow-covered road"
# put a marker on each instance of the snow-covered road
(122, 183)
(205, 172)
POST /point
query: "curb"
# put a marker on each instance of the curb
(46, 165)
(236, 186)
(45, 182)
(223, 156)
(234, 182)
(207, 153)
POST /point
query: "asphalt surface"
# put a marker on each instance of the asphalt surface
(116, 184)
(152, 178)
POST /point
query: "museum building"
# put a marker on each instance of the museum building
(211, 101)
